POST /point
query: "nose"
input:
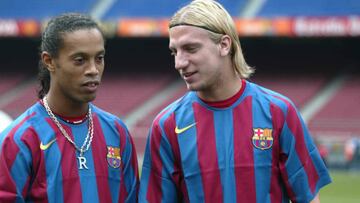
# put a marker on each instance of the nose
(93, 68)
(181, 61)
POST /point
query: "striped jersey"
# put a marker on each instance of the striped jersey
(255, 149)
(38, 164)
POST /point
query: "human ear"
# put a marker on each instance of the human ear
(47, 61)
(225, 45)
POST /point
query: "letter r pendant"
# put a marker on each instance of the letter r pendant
(82, 162)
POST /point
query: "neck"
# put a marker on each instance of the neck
(68, 108)
(223, 90)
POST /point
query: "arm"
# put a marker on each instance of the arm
(130, 176)
(14, 171)
(316, 199)
(157, 183)
(303, 171)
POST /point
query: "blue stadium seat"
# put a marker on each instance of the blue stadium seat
(273, 8)
(42, 9)
(160, 8)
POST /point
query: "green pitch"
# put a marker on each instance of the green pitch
(345, 187)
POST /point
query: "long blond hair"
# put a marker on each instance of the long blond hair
(211, 16)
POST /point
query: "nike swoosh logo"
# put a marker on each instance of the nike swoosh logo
(181, 130)
(45, 147)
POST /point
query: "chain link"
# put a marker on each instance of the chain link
(89, 135)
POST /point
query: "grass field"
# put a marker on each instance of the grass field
(344, 188)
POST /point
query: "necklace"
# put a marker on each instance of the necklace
(88, 138)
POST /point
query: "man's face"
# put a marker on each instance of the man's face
(197, 57)
(79, 65)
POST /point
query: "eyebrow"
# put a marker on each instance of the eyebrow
(87, 54)
(101, 52)
(188, 44)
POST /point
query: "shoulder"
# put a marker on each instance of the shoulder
(30, 116)
(108, 118)
(261, 94)
(105, 115)
(181, 103)
(26, 122)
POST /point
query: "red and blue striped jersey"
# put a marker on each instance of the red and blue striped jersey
(38, 164)
(257, 149)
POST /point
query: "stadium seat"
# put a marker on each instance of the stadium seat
(273, 8)
(41, 9)
(159, 8)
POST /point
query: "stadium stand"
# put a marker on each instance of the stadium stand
(293, 86)
(159, 8)
(124, 93)
(274, 8)
(41, 9)
(9, 81)
(19, 98)
(341, 115)
(141, 127)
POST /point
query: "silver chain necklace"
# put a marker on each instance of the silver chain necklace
(88, 138)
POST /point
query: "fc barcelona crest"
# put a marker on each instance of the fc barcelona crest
(262, 138)
(113, 156)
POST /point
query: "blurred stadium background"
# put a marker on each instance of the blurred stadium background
(308, 50)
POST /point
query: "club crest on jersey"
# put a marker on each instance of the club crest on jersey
(113, 156)
(262, 138)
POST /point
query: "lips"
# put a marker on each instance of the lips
(91, 86)
(187, 75)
